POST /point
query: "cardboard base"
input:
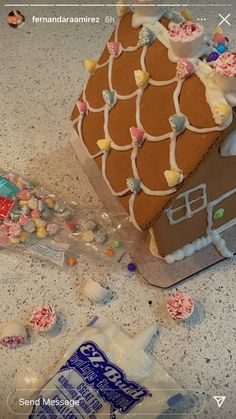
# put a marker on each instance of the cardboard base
(155, 271)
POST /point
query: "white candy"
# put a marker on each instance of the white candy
(94, 291)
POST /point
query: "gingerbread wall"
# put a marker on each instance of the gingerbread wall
(219, 175)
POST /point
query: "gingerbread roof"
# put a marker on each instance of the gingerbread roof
(114, 100)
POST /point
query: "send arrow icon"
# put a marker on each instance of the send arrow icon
(219, 400)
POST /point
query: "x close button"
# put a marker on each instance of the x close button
(224, 19)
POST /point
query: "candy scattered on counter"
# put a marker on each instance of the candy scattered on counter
(94, 291)
(131, 267)
(71, 261)
(13, 334)
(43, 318)
(180, 306)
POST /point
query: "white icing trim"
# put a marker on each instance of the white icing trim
(131, 211)
(189, 249)
(121, 193)
(187, 204)
(228, 148)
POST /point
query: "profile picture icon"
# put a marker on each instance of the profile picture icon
(15, 19)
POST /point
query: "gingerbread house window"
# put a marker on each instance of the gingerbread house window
(187, 204)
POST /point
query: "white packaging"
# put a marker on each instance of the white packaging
(105, 374)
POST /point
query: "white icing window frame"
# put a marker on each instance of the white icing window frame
(187, 204)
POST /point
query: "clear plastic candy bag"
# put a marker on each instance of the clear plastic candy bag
(36, 221)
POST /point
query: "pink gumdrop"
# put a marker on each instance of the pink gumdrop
(15, 230)
(24, 219)
(219, 38)
(35, 213)
(23, 195)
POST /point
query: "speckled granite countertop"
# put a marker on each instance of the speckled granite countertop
(41, 75)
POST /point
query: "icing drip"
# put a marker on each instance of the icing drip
(179, 121)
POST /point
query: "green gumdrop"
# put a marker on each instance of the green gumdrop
(117, 244)
(219, 213)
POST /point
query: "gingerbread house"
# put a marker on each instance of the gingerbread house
(157, 118)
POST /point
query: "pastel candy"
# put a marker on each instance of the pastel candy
(50, 203)
(41, 232)
(186, 14)
(82, 106)
(14, 230)
(29, 227)
(33, 203)
(24, 236)
(146, 36)
(184, 68)
(88, 236)
(39, 223)
(177, 123)
(137, 135)
(173, 177)
(219, 38)
(41, 206)
(24, 195)
(25, 210)
(221, 113)
(52, 229)
(46, 214)
(24, 219)
(122, 8)
(90, 66)
(104, 144)
(141, 78)
(115, 48)
(109, 97)
(134, 184)
(100, 237)
(35, 213)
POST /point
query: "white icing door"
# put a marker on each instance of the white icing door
(222, 212)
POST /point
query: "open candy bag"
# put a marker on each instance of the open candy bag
(36, 221)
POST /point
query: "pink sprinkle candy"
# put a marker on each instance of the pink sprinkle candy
(11, 341)
(180, 306)
(43, 318)
(184, 69)
(114, 48)
(15, 230)
(52, 229)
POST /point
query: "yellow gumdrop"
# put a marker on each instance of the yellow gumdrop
(50, 202)
(104, 144)
(218, 29)
(90, 66)
(173, 177)
(22, 203)
(186, 14)
(24, 236)
(141, 77)
(42, 232)
(14, 240)
(221, 113)
(122, 8)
